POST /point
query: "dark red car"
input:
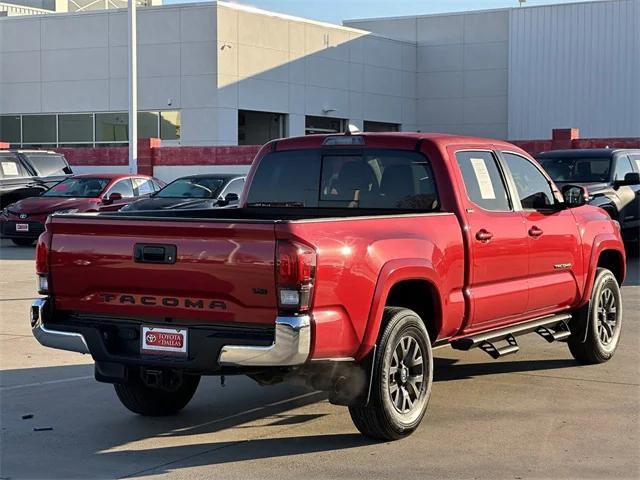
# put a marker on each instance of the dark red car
(23, 221)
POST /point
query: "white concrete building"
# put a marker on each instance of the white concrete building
(224, 74)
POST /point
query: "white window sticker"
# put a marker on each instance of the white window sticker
(483, 178)
(10, 169)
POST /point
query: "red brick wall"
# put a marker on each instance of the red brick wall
(151, 154)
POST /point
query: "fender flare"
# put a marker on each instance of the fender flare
(393, 272)
(601, 242)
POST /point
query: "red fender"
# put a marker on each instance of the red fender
(391, 273)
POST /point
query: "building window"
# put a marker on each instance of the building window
(112, 127)
(380, 127)
(85, 129)
(170, 125)
(324, 125)
(257, 128)
(10, 129)
(39, 129)
(75, 129)
(147, 124)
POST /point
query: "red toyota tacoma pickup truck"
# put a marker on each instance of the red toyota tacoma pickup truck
(351, 258)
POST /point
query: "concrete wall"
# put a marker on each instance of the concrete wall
(288, 65)
(575, 65)
(78, 63)
(462, 69)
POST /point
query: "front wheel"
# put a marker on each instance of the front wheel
(156, 402)
(603, 321)
(402, 378)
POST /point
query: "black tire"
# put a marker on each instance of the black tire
(23, 242)
(154, 402)
(602, 318)
(385, 417)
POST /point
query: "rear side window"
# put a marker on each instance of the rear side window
(142, 186)
(483, 181)
(636, 159)
(49, 165)
(373, 179)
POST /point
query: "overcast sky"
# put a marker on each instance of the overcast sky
(335, 11)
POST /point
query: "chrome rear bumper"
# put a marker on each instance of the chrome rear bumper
(291, 346)
(73, 342)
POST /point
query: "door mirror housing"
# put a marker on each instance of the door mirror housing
(575, 195)
(228, 198)
(631, 178)
(114, 197)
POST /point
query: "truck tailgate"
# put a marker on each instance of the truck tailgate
(223, 271)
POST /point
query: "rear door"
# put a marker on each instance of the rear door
(554, 250)
(496, 239)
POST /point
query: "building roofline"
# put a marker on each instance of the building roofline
(484, 10)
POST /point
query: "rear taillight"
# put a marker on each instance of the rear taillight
(296, 271)
(42, 263)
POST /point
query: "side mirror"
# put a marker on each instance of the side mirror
(114, 197)
(575, 195)
(228, 198)
(631, 178)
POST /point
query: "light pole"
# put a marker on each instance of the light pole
(133, 89)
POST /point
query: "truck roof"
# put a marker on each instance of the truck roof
(401, 140)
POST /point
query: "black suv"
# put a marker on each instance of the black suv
(610, 176)
(29, 173)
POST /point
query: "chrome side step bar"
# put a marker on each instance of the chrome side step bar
(552, 328)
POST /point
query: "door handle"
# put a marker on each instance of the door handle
(535, 231)
(484, 235)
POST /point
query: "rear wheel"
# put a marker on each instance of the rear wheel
(23, 242)
(603, 322)
(149, 401)
(402, 378)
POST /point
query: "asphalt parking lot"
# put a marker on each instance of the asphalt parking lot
(536, 414)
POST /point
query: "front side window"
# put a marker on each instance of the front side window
(483, 181)
(123, 187)
(235, 186)
(78, 187)
(48, 165)
(375, 179)
(192, 187)
(533, 187)
(577, 170)
(623, 166)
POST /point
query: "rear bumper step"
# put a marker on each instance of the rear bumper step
(291, 346)
(73, 342)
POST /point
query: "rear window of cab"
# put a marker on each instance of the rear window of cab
(364, 178)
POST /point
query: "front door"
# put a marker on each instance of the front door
(497, 242)
(554, 251)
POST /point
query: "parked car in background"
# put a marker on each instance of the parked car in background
(24, 220)
(611, 178)
(29, 173)
(350, 259)
(195, 191)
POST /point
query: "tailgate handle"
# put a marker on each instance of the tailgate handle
(154, 253)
